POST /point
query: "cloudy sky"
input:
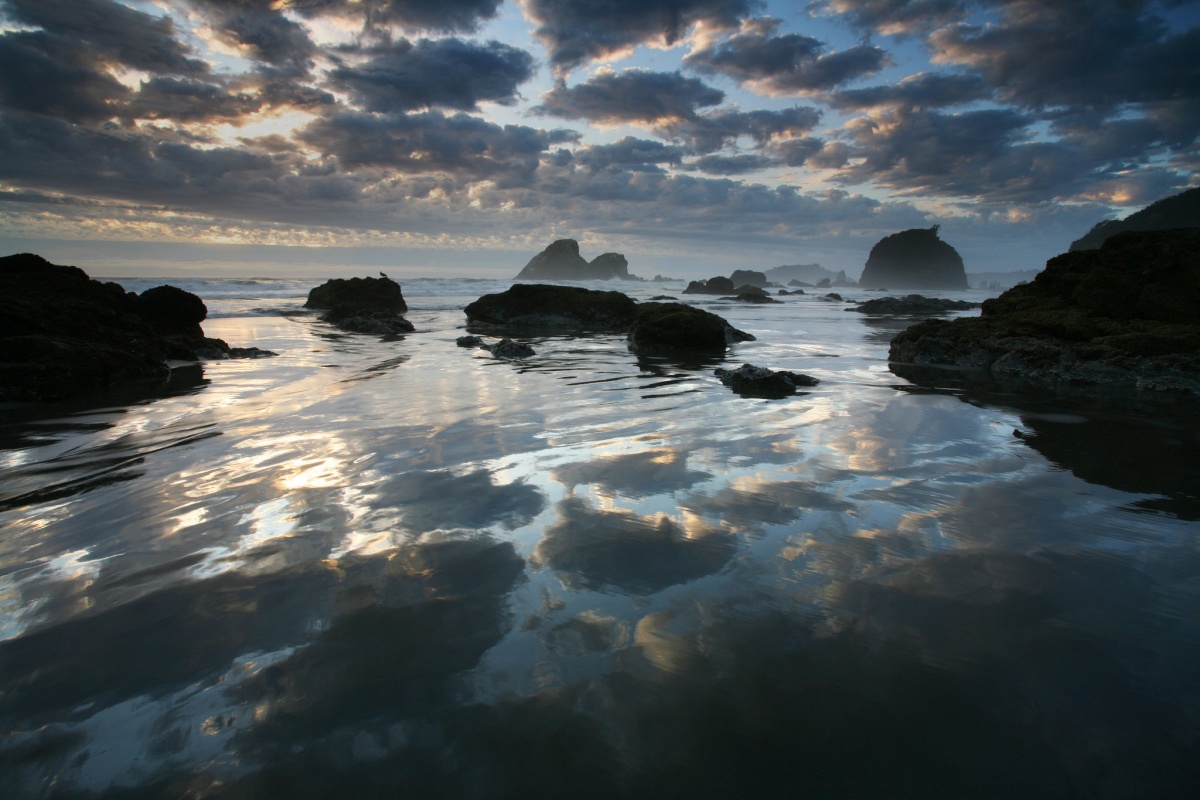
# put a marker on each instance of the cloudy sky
(459, 137)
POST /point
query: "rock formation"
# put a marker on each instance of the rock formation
(362, 305)
(1125, 314)
(914, 259)
(751, 381)
(678, 328)
(561, 261)
(1177, 211)
(63, 333)
(913, 304)
(716, 285)
(749, 277)
(538, 305)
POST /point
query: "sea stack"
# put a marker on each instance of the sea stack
(561, 261)
(914, 259)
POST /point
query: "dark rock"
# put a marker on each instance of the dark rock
(785, 292)
(751, 381)
(717, 285)
(249, 352)
(666, 297)
(1177, 211)
(561, 261)
(362, 305)
(1125, 314)
(914, 304)
(469, 341)
(799, 283)
(676, 327)
(752, 297)
(748, 276)
(507, 348)
(538, 305)
(914, 259)
(833, 297)
(63, 333)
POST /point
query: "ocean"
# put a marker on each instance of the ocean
(394, 567)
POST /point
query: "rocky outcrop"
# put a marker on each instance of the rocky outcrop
(1177, 211)
(914, 259)
(510, 349)
(751, 381)
(717, 285)
(913, 304)
(561, 261)
(1125, 314)
(749, 277)
(362, 305)
(63, 333)
(759, 296)
(680, 328)
(537, 305)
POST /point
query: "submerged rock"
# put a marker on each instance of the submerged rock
(751, 381)
(62, 333)
(1127, 313)
(913, 304)
(752, 297)
(538, 305)
(508, 348)
(561, 261)
(362, 305)
(717, 285)
(676, 327)
(914, 259)
(469, 341)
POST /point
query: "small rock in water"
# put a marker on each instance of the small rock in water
(469, 341)
(507, 348)
(751, 381)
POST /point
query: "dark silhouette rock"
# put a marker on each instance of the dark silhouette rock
(63, 333)
(749, 276)
(362, 305)
(680, 328)
(914, 259)
(751, 381)
(538, 305)
(1125, 314)
(752, 297)
(913, 304)
(833, 297)
(508, 348)
(787, 292)
(561, 261)
(469, 341)
(1177, 211)
(717, 285)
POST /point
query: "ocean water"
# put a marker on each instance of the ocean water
(398, 568)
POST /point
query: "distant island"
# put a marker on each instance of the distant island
(561, 261)
(1177, 211)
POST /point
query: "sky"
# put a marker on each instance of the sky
(458, 138)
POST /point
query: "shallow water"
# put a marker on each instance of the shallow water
(398, 567)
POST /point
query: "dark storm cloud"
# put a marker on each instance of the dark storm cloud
(111, 31)
(787, 64)
(1105, 54)
(185, 100)
(47, 74)
(450, 73)
(446, 16)
(630, 153)
(578, 32)
(978, 154)
(430, 142)
(262, 29)
(631, 96)
(923, 90)
(710, 132)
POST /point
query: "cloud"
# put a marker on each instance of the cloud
(184, 100)
(732, 165)
(450, 73)
(707, 133)
(643, 474)
(444, 16)
(112, 31)
(895, 17)
(575, 33)
(261, 30)
(430, 142)
(923, 90)
(789, 64)
(46, 74)
(629, 153)
(631, 96)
